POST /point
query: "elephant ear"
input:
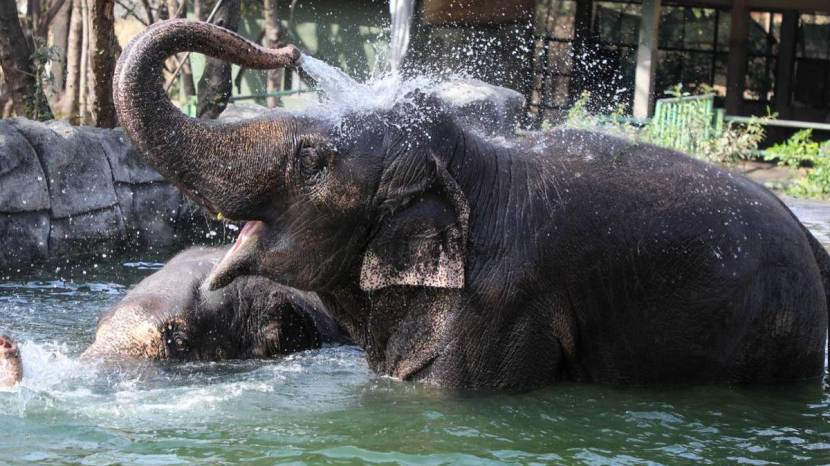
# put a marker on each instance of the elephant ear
(421, 237)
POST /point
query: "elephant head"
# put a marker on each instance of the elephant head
(366, 199)
(169, 316)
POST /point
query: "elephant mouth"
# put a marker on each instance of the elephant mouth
(241, 258)
(251, 230)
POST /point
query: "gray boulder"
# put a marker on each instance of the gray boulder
(25, 238)
(87, 234)
(126, 163)
(68, 192)
(492, 110)
(78, 173)
(151, 211)
(21, 176)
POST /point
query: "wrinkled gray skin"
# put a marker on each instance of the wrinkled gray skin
(466, 263)
(168, 315)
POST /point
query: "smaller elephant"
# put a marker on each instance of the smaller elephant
(11, 369)
(170, 315)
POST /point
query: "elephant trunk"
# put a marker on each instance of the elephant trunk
(228, 168)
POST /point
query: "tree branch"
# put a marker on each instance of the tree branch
(149, 10)
(130, 11)
(51, 13)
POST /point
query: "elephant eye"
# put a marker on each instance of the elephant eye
(180, 343)
(176, 339)
(313, 160)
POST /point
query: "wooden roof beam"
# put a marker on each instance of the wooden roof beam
(805, 6)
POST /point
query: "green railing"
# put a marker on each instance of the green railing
(188, 105)
(684, 123)
(271, 94)
(783, 123)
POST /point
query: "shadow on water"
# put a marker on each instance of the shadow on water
(326, 407)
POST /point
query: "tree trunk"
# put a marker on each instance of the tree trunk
(162, 13)
(6, 102)
(33, 15)
(5, 98)
(149, 10)
(273, 37)
(179, 10)
(71, 98)
(18, 67)
(104, 51)
(58, 38)
(215, 85)
(83, 87)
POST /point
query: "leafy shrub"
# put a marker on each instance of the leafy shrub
(617, 123)
(802, 151)
(723, 144)
(737, 141)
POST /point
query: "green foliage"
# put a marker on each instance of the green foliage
(802, 151)
(38, 103)
(578, 115)
(685, 123)
(676, 91)
(617, 123)
(736, 142)
(799, 148)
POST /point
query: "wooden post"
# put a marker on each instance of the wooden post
(646, 59)
(736, 69)
(786, 64)
(103, 53)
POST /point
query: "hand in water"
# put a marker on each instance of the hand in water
(11, 369)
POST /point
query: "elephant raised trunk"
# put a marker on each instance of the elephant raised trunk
(228, 168)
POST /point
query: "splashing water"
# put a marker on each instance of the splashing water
(343, 94)
(325, 406)
(402, 12)
(336, 83)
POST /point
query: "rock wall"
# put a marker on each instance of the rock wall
(67, 192)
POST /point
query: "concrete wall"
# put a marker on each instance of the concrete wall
(69, 192)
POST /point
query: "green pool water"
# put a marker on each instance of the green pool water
(326, 407)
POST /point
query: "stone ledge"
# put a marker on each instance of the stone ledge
(76, 191)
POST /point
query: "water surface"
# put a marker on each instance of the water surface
(326, 407)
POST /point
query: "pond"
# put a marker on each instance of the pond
(326, 406)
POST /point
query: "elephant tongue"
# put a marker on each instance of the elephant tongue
(239, 259)
(250, 230)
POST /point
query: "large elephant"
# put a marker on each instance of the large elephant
(170, 316)
(474, 263)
